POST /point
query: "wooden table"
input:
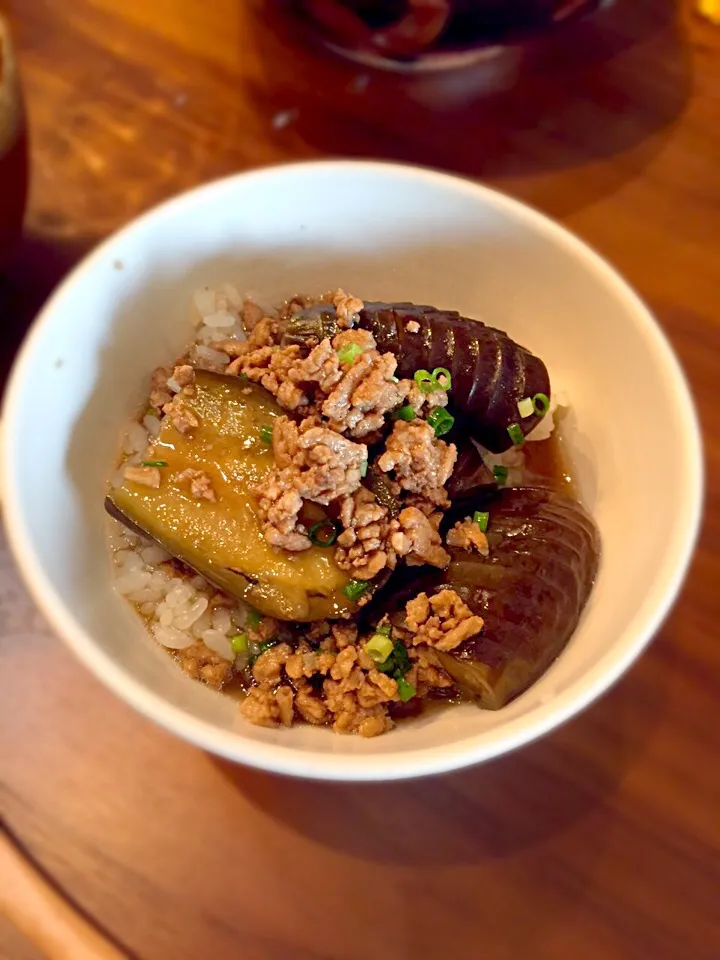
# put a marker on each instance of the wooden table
(602, 842)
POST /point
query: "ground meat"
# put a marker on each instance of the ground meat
(200, 484)
(419, 401)
(422, 463)
(426, 674)
(467, 535)
(160, 393)
(349, 716)
(268, 708)
(344, 634)
(306, 662)
(183, 375)
(412, 326)
(367, 391)
(270, 366)
(252, 314)
(180, 416)
(443, 621)
(318, 465)
(310, 705)
(202, 663)
(268, 665)
(347, 308)
(321, 366)
(418, 539)
(146, 476)
(361, 547)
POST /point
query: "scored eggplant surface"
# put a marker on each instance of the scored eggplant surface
(490, 372)
(530, 590)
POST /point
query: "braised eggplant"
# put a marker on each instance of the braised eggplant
(491, 373)
(470, 478)
(223, 540)
(530, 590)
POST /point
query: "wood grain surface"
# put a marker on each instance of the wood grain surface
(602, 842)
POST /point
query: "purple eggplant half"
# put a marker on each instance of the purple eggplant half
(530, 590)
(490, 372)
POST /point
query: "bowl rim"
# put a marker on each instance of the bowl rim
(307, 763)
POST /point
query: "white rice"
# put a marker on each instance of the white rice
(175, 606)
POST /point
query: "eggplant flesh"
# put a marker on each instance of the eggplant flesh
(223, 540)
(530, 590)
(490, 372)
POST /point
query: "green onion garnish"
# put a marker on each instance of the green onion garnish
(541, 402)
(363, 468)
(354, 589)
(425, 381)
(239, 643)
(153, 463)
(348, 353)
(398, 663)
(253, 619)
(323, 534)
(379, 648)
(441, 421)
(446, 381)
(385, 629)
(266, 435)
(516, 434)
(500, 474)
(526, 407)
(266, 644)
(405, 690)
(405, 413)
(150, 412)
(481, 518)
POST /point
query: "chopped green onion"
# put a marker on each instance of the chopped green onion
(363, 468)
(516, 434)
(379, 648)
(153, 463)
(150, 412)
(395, 379)
(425, 380)
(354, 589)
(253, 619)
(349, 352)
(405, 690)
(526, 407)
(441, 421)
(541, 402)
(405, 413)
(239, 643)
(323, 534)
(398, 663)
(242, 376)
(443, 372)
(481, 518)
(500, 474)
(266, 644)
(266, 435)
(385, 629)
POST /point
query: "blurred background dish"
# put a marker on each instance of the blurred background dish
(431, 34)
(13, 148)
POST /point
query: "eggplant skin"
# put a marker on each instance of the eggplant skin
(490, 372)
(470, 478)
(530, 590)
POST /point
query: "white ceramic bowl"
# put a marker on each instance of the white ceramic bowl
(383, 232)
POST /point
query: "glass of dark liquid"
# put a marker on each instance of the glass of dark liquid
(13, 148)
(432, 34)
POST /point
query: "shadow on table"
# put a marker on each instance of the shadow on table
(38, 264)
(491, 811)
(608, 85)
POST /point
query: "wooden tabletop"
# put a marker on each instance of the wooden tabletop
(602, 842)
